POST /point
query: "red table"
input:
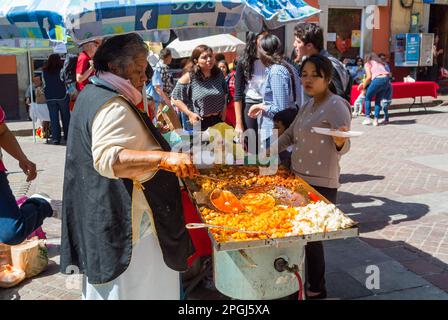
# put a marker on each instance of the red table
(406, 90)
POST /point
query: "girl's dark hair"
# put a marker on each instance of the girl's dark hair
(324, 69)
(226, 64)
(54, 64)
(286, 117)
(219, 57)
(250, 54)
(271, 50)
(373, 57)
(196, 70)
(119, 51)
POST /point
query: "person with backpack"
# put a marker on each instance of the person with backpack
(309, 40)
(282, 88)
(68, 71)
(84, 66)
(68, 77)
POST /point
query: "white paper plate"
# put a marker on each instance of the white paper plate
(337, 133)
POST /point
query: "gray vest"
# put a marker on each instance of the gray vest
(96, 213)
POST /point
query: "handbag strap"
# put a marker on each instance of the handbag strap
(293, 81)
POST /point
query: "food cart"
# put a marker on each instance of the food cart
(258, 265)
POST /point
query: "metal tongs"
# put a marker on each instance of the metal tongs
(206, 225)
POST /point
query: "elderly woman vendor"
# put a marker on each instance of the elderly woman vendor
(122, 220)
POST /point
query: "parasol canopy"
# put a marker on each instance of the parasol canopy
(219, 43)
(88, 19)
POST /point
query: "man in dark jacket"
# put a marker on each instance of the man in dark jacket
(309, 40)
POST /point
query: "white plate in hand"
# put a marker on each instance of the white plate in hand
(337, 133)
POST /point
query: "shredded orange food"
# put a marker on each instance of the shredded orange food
(261, 212)
(276, 222)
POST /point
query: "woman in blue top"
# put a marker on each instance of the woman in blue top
(57, 98)
(282, 89)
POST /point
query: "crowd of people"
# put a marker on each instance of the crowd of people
(139, 226)
(134, 244)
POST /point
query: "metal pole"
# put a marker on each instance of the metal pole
(30, 71)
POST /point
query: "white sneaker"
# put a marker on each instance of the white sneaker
(375, 122)
(354, 114)
(367, 122)
(46, 197)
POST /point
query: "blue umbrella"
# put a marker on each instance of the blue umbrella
(33, 19)
(86, 19)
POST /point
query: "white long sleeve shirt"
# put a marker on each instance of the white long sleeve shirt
(115, 128)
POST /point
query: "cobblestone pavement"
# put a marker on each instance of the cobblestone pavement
(51, 284)
(394, 183)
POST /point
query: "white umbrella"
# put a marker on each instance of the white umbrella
(219, 43)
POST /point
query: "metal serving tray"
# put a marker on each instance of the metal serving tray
(284, 242)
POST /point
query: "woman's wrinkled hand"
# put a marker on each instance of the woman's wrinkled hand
(29, 168)
(340, 141)
(179, 163)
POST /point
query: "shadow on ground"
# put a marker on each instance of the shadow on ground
(375, 212)
(402, 122)
(10, 294)
(350, 178)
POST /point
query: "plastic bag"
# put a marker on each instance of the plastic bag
(10, 276)
(31, 256)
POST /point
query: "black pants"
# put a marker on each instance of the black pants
(434, 73)
(250, 123)
(314, 252)
(208, 122)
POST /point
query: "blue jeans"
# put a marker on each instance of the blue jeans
(16, 224)
(381, 89)
(54, 108)
(186, 124)
(386, 102)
